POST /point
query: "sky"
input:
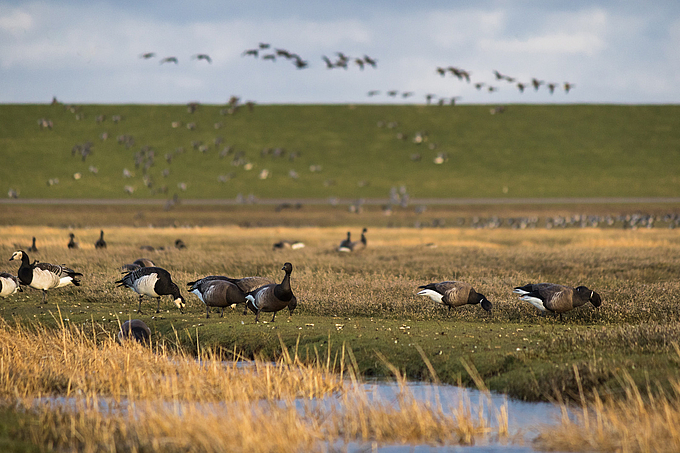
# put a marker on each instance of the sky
(88, 51)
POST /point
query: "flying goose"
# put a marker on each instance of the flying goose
(202, 56)
(153, 282)
(136, 264)
(101, 243)
(169, 60)
(33, 248)
(454, 294)
(44, 276)
(136, 330)
(9, 284)
(557, 298)
(273, 297)
(218, 293)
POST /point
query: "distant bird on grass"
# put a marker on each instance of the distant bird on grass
(101, 243)
(350, 246)
(273, 297)
(180, 245)
(136, 264)
(284, 244)
(33, 248)
(556, 298)
(169, 60)
(72, 244)
(44, 276)
(9, 284)
(454, 294)
(134, 330)
(153, 282)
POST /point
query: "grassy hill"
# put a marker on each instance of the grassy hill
(526, 151)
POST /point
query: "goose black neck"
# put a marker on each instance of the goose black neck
(282, 291)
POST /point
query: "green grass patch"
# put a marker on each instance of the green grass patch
(528, 151)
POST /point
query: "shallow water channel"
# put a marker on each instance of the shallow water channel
(524, 419)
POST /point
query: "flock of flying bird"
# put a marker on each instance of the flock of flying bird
(260, 294)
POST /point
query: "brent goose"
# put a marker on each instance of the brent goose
(218, 293)
(136, 330)
(245, 284)
(272, 297)
(153, 282)
(101, 243)
(72, 244)
(44, 276)
(454, 294)
(556, 298)
(33, 248)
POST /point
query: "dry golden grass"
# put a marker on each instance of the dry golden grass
(131, 398)
(639, 422)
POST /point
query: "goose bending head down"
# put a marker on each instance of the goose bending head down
(136, 264)
(273, 297)
(134, 329)
(153, 282)
(44, 276)
(556, 298)
(218, 293)
(454, 294)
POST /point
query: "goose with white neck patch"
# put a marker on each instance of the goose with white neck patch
(273, 297)
(153, 282)
(44, 276)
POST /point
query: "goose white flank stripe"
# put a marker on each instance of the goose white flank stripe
(9, 284)
(434, 295)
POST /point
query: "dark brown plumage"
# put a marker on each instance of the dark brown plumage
(454, 294)
(556, 298)
(273, 297)
(218, 293)
(136, 330)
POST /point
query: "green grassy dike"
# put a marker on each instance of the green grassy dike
(355, 151)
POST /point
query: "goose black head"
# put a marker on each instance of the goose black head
(18, 255)
(591, 295)
(486, 305)
(288, 268)
(595, 299)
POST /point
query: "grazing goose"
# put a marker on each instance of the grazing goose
(9, 284)
(295, 245)
(72, 244)
(153, 282)
(245, 284)
(136, 264)
(179, 244)
(557, 298)
(44, 276)
(101, 243)
(33, 248)
(454, 294)
(218, 293)
(136, 330)
(273, 297)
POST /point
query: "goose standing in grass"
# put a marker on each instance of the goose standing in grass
(72, 244)
(273, 297)
(33, 248)
(136, 330)
(9, 284)
(349, 246)
(454, 294)
(101, 243)
(556, 298)
(245, 284)
(346, 245)
(218, 293)
(284, 244)
(153, 282)
(44, 276)
(136, 264)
